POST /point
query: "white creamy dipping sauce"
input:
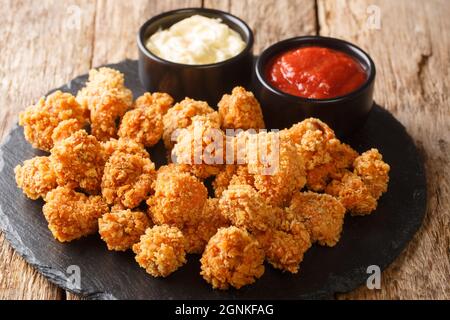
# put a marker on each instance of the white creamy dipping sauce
(196, 40)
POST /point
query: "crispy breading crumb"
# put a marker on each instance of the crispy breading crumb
(353, 194)
(222, 179)
(160, 250)
(40, 120)
(72, 215)
(240, 110)
(162, 100)
(180, 115)
(36, 177)
(65, 129)
(120, 229)
(280, 178)
(107, 98)
(373, 172)
(322, 214)
(200, 146)
(197, 235)
(124, 145)
(284, 249)
(179, 197)
(127, 179)
(144, 123)
(232, 257)
(79, 161)
(246, 208)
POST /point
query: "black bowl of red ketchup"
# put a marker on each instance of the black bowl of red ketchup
(313, 76)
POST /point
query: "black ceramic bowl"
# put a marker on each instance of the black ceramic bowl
(344, 114)
(206, 82)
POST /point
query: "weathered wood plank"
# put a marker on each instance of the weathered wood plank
(44, 44)
(117, 24)
(411, 52)
(272, 21)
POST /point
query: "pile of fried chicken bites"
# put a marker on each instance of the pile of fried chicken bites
(103, 180)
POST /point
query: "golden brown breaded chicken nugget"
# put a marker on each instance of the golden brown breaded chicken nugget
(79, 161)
(222, 179)
(36, 177)
(200, 147)
(163, 100)
(40, 120)
(180, 115)
(127, 179)
(179, 197)
(353, 194)
(65, 129)
(370, 167)
(106, 96)
(310, 137)
(72, 215)
(121, 229)
(240, 110)
(160, 250)
(246, 208)
(276, 179)
(144, 123)
(322, 215)
(197, 234)
(232, 257)
(341, 157)
(284, 249)
(124, 145)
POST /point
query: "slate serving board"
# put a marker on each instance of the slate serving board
(376, 239)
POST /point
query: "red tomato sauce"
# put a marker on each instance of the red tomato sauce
(315, 73)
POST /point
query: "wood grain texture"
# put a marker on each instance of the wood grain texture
(270, 20)
(46, 43)
(412, 55)
(117, 24)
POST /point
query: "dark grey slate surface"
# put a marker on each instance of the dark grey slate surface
(373, 240)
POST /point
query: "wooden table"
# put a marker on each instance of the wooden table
(46, 43)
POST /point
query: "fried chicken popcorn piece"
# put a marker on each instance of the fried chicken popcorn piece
(232, 257)
(36, 177)
(197, 235)
(78, 161)
(106, 96)
(144, 123)
(284, 249)
(162, 100)
(179, 197)
(240, 110)
(322, 215)
(40, 120)
(160, 250)
(341, 158)
(180, 115)
(278, 178)
(246, 208)
(124, 145)
(223, 178)
(122, 228)
(373, 172)
(72, 215)
(127, 179)
(65, 129)
(353, 194)
(310, 137)
(200, 147)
